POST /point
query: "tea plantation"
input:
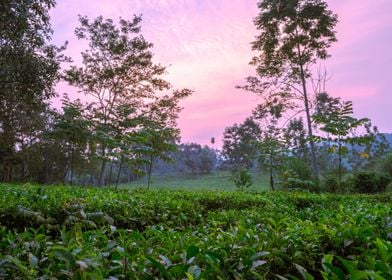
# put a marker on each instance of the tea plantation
(90, 233)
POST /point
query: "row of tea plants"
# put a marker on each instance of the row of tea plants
(88, 233)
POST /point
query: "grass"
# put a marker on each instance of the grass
(219, 181)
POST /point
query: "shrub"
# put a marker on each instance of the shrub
(370, 182)
(347, 184)
(291, 180)
(330, 183)
(242, 179)
(389, 187)
(296, 183)
(385, 165)
(382, 181)
(300, 167)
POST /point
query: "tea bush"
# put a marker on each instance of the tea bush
(77, 233)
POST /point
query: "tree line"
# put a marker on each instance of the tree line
(129, 120)
(298, 134)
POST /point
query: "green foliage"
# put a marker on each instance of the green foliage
(385, 164)
(370, 182)
(300, 167)
(338, 268)
(30, 68)
(132, 114)
(242, 179)
(295, 138)
(61, 232)
(293, 35)
(240, 143)
(389, 187)
(299, 32)
(71, 133)
(336, 119)
(272, 145)
(296, 174)
(291, 180)
(330, 183)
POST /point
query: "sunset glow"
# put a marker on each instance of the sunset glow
(206, 46)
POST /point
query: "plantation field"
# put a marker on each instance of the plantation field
(90, 233)
(219, 181)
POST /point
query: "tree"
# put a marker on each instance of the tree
(242, 179)
(190, 156)
(159, 143)
(162, 133)
(294, 35)
(240, 143)
(195, 159)
(385, 164)
(208, 160)
(295, 138)
(339, 124)
(118, 72)
(375, 150)
(72, 130)
(271, 144)
(272, 149)
(29, 68)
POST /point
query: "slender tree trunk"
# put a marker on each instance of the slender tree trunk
(65, 174)
(72, 164)
(309, 123)
(110, 173)
(101, 181)
(149, 172)
(307, 111)
(340, 162)
(129, 175)
(23, 170)
(8, 174)
(119, 171)
(272, 187)
(255, 166)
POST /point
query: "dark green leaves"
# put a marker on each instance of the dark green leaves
(297, 32)
(193, 235)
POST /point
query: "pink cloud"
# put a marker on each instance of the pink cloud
(206, 45)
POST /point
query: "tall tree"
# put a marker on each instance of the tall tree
(294, 35)
(118, 71)
(29, 68)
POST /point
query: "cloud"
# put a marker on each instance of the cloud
(206, 46)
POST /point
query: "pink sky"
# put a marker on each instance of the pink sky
(206, 46)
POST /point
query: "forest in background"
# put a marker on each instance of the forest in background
(300, 136)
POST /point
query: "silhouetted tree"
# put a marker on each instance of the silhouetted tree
(29, 68)
(293, 36)
(119, 73)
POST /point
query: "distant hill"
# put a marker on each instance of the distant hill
(388, 136)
